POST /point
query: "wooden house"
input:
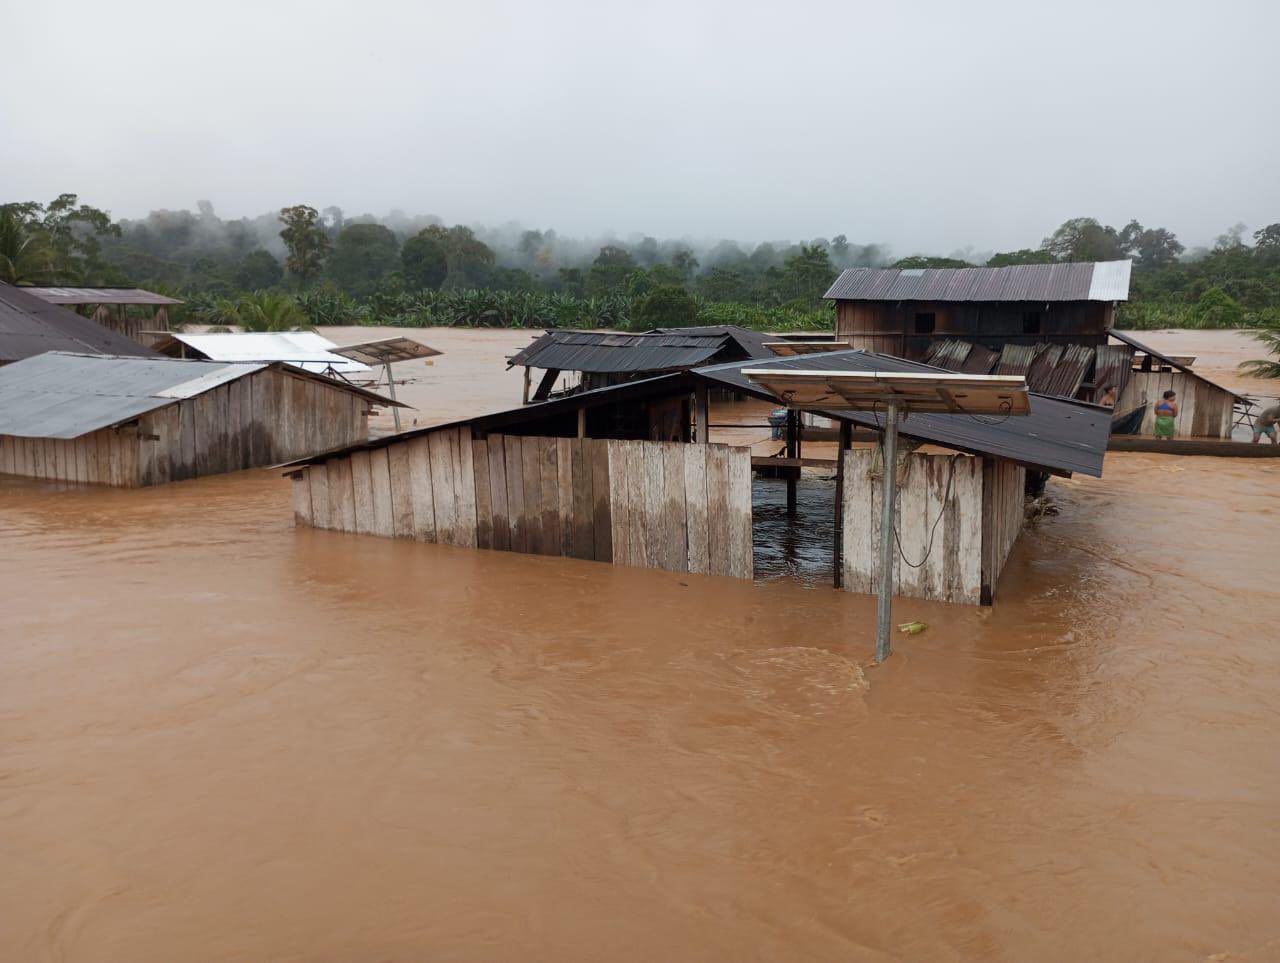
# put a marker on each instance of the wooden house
(132, 422)
(602, 475)
(140, 315)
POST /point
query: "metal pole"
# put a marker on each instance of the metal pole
(888, 495)
(391, 390)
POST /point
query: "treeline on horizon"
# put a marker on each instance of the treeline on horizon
(302, 266)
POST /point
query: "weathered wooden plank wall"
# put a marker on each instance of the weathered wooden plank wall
(1003, 488)
(952, 570)
(1204, 410)
(684, 508)
(261, 419)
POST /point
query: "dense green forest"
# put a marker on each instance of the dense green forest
(302, 266)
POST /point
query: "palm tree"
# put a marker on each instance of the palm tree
(1265, 367)
(25, 255)
(269, 311)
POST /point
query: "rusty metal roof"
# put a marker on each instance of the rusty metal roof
(1086, 281)
(1069, 373)
(101, 296)
(30, 326)
(1015, 359)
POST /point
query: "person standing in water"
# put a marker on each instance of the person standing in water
(1166, 413)
(1266, 425)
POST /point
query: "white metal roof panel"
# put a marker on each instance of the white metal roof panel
(303, 349)
(1110, 281)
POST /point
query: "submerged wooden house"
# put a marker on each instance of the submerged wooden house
(132, 422)
(573, 361)
(138, 314)
(30, 326)
(600, 475)
(1051, 323)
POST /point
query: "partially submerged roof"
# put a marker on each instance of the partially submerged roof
(1175, 363)
(386, 351)
(30, 326)
(937, 392)
(1083, 281)
(63, 395)
(1058, 436)
(302, 349)
(101, 296)
(662, 349)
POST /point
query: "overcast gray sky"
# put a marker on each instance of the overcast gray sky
(929, 125)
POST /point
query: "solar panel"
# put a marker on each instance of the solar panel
(866, 390)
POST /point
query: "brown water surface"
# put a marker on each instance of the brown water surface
(225, 740)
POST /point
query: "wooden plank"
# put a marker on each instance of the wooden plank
(424, 512)
(234, 438)
(464, 481)
(531, 475)
(740, 556)
(501, 534)
(116, 462)
(92, 471)
(6, 455)
(718, 518)
(674, 512)
(517, 524)
(444, 497)
(638, 521)
(402, 517)
(564, 489)
(362, 490)
(695, 492)
(380, 482)
(549, 470)
(601, 513)
(342, 497)
(619, 497)
(318, 477)
(302, 500)
(483, 492)
(582, 538)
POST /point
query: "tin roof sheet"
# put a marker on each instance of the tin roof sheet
(30, 326)
(303, 349)
(64, 295)
(1084, 281)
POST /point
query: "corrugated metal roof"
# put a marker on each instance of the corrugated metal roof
(1015, 359)
(1042, 367)
(1059, 435)
(608, 353)
(1069, 373)
(1113, 363)
(61, 395)
(1101, 281)
(30, 326)
(101, 296)
(302, 349)
(948, 355)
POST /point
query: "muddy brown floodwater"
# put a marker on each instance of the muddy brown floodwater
(225, 740)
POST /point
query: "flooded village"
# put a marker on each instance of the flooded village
(668, 483)
(227, 699)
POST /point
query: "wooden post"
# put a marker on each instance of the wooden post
(793, 444)
(837, 548)
(527, 376)
(888, 495)
(582, 422)
(701, 414)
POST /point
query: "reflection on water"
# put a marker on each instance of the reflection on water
(227, 740)
(799, 548)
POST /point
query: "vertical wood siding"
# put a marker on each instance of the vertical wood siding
(952, 569)
(261, 419)
(683, 508)
(1204, 410)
